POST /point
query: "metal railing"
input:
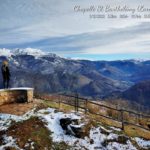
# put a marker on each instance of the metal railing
(121, 115)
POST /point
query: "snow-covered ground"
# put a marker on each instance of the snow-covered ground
(142, 143)
(6, 119)
(95, 140)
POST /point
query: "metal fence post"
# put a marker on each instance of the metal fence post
(85, 106)
(77, 102)
(122, 119)
(59, 101)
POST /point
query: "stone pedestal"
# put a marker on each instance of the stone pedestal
(18, 95)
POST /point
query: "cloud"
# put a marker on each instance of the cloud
(53, 25)
(125, 40)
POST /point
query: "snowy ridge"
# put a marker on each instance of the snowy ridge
(5, 52)
(39, 52)
(27, 51)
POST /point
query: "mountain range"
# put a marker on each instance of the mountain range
(49, 73)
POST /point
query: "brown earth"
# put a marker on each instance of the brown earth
(31, 130)
(19, 108)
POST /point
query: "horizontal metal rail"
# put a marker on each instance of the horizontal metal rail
(58, 99)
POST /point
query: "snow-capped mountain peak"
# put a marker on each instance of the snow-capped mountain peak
(5, 52)
(28, 51)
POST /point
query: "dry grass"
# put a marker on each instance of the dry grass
(114, 114)
(134, 131)
(136, 119)
(132, 118)
(34, 133)
(105, 121)
(61, 107)
(93, 108)
(31, 130)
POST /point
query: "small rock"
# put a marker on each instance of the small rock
(91, 141)
(72, 127)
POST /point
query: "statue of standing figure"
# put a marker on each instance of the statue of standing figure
(5, 74)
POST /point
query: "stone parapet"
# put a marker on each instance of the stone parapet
(13, 95)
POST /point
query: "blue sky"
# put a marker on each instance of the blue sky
(54, 26)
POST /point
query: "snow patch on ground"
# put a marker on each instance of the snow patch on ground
(95, 140)
(142, 143)
(9, 142)
(7, 119)
(117, 146)
(116, 129)
(52, 119)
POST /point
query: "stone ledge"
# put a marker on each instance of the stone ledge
(16, 95)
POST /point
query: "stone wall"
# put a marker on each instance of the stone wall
(19, 95)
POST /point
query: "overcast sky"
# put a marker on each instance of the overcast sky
(54, 26)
